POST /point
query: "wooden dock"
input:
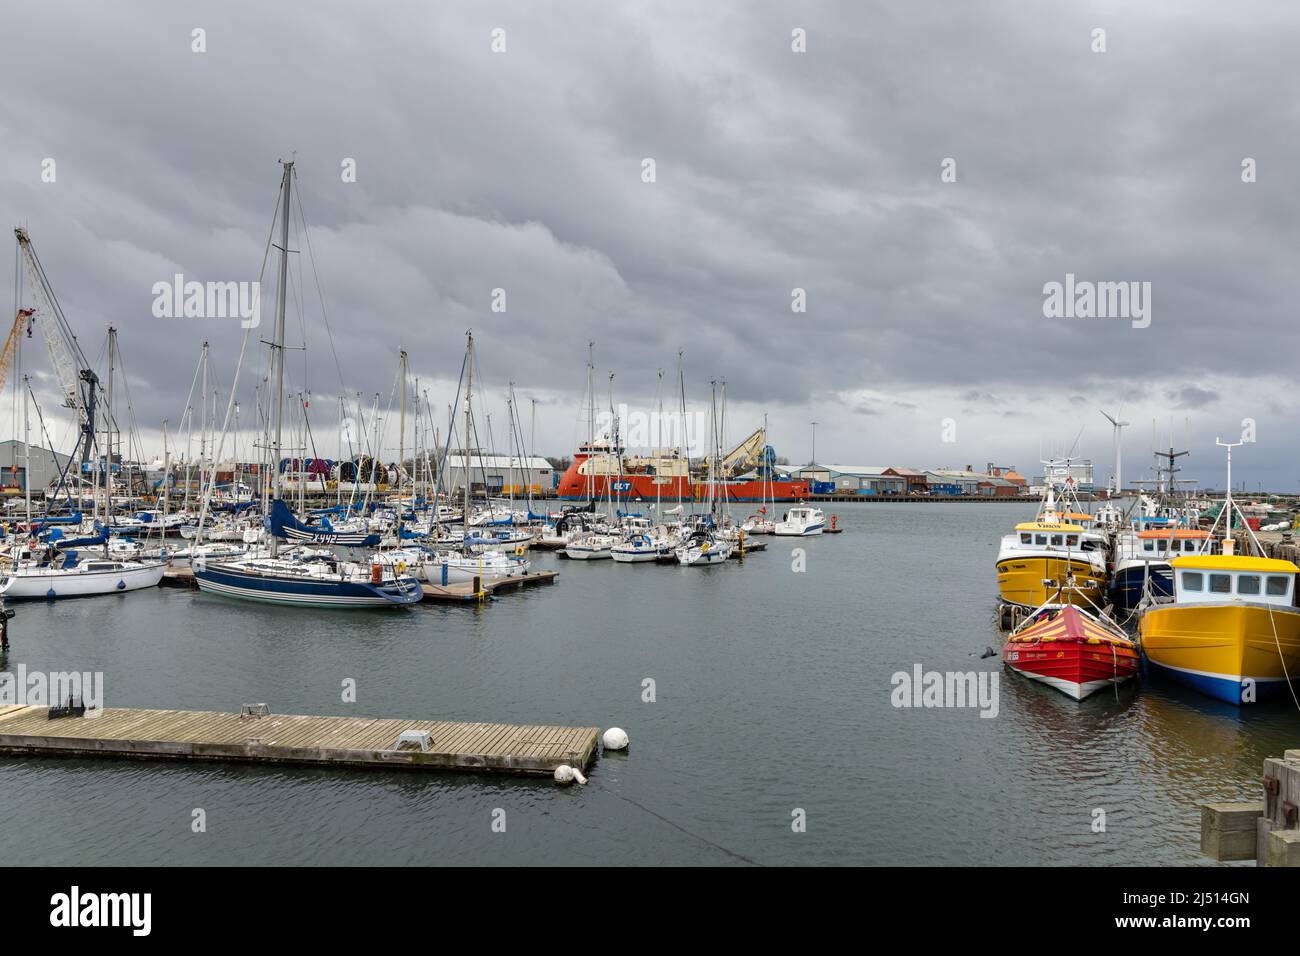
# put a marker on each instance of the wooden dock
(458, 593)
(1266, 831)
(282, 739)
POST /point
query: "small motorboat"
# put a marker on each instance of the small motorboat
(801, 522)
(1072, 650)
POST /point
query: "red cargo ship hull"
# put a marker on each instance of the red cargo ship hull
(575, 486)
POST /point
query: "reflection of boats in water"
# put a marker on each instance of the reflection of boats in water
(1069, 649)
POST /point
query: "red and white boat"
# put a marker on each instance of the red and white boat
(599, 470)
(1069, 649)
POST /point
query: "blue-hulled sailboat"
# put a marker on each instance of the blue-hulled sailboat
(314, 579)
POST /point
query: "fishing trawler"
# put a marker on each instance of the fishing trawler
(1232, 629)
(1054, 550)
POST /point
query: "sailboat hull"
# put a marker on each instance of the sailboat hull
(43, 584)
(234, 582)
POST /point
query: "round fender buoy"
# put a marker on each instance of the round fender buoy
(615, 739)
(121, 585)
(564, 774)
(50, 593)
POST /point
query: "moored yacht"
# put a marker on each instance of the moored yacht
(801, 522)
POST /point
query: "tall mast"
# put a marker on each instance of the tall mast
(401, 428)
(591, 430)
(277, 345)
(469, 379)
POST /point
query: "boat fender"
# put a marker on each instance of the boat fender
(376, 573)
(564, 774)
(121, 585)
(50, 593)
(615, 739)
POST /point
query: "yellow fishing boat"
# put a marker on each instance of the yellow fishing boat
(1233, 629)
(1043, 555)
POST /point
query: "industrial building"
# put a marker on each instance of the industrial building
(46, 465)
(499, 474)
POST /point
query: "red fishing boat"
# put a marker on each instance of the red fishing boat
(1071, 650)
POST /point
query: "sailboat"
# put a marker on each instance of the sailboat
(60, 567)
(315, 580)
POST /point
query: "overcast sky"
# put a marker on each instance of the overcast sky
(775, 170)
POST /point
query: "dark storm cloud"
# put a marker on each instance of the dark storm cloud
(1191, 396)
(775, 170)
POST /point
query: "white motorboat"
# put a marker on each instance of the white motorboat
(801, 522)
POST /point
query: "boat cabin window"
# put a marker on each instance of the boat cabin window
(1192, 581)
(1040, 539)
(1148, 545)
(1221, 583)
(1162, 544)
(1058, 540)
(1026, 538)
(1277, 584)
(1072, 540)
(1248, 584)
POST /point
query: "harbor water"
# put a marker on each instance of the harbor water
(771, 695)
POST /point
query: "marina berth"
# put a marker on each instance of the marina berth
(1232, 630)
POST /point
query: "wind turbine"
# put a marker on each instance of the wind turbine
(1117, 428)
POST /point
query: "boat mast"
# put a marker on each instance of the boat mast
(591, 426)
(401, 431)
(465, 474)
(277, 344)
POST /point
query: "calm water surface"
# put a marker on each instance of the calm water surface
(773, 693)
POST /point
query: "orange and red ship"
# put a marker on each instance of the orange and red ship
(600, 471)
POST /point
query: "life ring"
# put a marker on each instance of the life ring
(704, 547)
(519, 551)
(401, 567)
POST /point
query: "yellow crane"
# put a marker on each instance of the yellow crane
(22, 323)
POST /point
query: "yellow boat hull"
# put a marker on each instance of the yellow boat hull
(1020, 581)
(1233, 651)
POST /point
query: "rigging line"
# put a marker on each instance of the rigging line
(311, 256)
(1282, 657)
(677, 826)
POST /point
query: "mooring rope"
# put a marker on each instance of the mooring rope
(679, 827)
(1282, 657)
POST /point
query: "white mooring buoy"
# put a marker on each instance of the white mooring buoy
(565, 774)
(615, 739)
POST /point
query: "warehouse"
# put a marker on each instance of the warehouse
(46, 465)
(499, 474)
